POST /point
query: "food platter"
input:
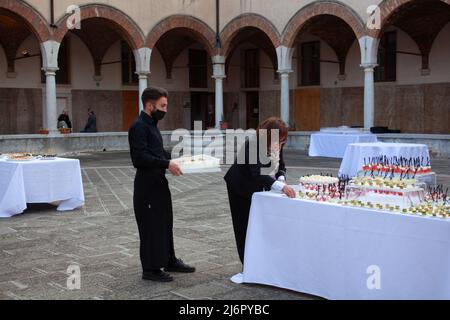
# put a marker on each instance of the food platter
(20, 157)
(198, 164)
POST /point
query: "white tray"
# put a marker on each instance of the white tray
(206, 170)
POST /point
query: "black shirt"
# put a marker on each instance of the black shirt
(146, 145)
(247, 178)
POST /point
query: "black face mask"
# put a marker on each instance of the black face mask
(158, 115)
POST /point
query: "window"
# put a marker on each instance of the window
(310, 64)
(63, 74)
(387, 58)
(251, 68)
(129, 76)
(198, 68)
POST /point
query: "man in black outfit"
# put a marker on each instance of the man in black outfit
(152, 198)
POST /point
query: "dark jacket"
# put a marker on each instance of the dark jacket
(66, 119)
(246, 179)
(146, 145)
(152, 199)
(91, 125)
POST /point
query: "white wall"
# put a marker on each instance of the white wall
(233, 81)
(180, 72)
(409, 66)
(82, 67)
(27, 70)
(329, 71)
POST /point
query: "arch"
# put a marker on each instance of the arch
(244, 21)
(34, 20)
(200, 30)
(126, 26)
(319, 8)
(388, 8)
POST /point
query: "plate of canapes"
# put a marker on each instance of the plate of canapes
(20, 157)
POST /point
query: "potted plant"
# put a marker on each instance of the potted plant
(43, 131)
(223, 123)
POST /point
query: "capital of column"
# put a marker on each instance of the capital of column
(285, 72)
(142, 57)
(49, 50)
(50, 72)
(143, 75)
(218, 67)
(369, 67)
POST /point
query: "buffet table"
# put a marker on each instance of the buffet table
(356, 153)
(331, 251)
(333, 145)
(56, 181)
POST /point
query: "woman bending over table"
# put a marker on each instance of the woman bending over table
(250, 173)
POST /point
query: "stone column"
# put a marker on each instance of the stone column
(369, 96)
(143, 84)
(142, 57)
(219, 75)
(369, 56)
(284, 56)
(285, 109)
(49, 51)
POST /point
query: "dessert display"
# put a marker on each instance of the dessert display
(397, 192)
(429, 209)
(324, 188)
(401, 195)
(198, 164)
(396, 167)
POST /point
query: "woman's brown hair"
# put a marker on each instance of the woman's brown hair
(270, 124)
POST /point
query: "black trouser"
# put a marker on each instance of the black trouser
(240, 211)
(154, 217)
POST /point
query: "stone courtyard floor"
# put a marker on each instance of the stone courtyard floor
(36, 248)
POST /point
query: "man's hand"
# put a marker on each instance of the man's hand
(174, 169)
(289, 191)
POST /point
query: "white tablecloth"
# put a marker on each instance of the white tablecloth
(40, 181)
(333, 145)
(356, 152)
(327, 250)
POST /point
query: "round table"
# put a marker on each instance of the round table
(356, 153)
(333, 145)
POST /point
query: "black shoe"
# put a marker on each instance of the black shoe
(157, 275)
(179, 266)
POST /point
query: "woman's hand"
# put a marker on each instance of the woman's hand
(174, 169)
(289, 191)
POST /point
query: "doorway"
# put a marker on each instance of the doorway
(252, 102)
(130, 108)
(307, 109)
(203, 109)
